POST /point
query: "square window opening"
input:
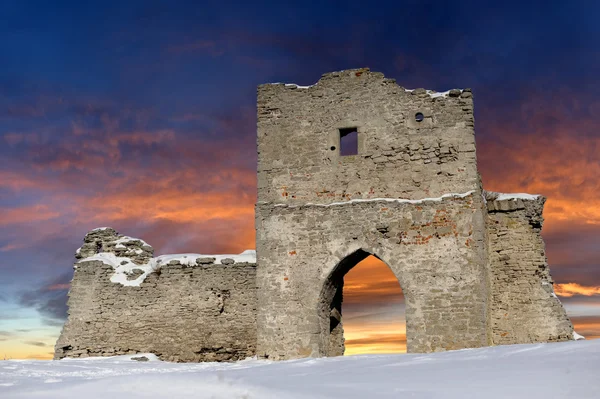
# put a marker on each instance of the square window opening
(349, 141)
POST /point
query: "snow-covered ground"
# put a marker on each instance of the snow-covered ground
(559, 370)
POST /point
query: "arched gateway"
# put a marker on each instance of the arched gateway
(357, 165)
(331, 302)
(352, 166)
(432, 248)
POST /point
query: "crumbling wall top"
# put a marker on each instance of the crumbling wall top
(325, 79)
(132, 259)
(531, 204)
(358, 135)
(108, 240)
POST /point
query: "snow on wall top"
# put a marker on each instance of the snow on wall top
(516, 196)
(398, 200)
(297, 86)
(495, 196)
(431, 93)
(248, 256)
(360, 71)
(130, 274)
(126, 239)
(107, 239)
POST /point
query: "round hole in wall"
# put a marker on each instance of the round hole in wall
(332, 148)
(419, 117)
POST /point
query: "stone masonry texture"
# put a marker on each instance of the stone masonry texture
(524, 307)
(205, 312)
(306, 259)
(471, 263)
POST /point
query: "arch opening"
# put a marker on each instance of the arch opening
(373, 319)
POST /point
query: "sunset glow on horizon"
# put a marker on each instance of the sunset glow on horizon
(142, 116)
(373, 311)
(382, 329)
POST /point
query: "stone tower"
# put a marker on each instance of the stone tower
(406, 190)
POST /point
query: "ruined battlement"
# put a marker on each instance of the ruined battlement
(181, 307)
(409, 143)
(108, 240)
(352, 166)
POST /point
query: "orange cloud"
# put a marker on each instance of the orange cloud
(371, 281)
(376, 343)
(588, 326)
(381, 328)
(35, 213)
(100, 175)
(554, 159)
(16, 181)
(374, 335)
(177, 204)
(176, 198)
(571, 289)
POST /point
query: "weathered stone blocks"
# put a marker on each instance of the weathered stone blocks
(471, 263)
(432, 248)
(523, 306)
(320, 212)
(187, 310)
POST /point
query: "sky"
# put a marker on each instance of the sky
(140, 115)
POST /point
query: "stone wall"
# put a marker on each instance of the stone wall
(523, 306)
(191, 308)
(435, 248)
(473, 272)
(299, 140)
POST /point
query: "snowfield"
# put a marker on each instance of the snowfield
(558, 370)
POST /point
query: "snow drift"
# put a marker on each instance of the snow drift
(558, 370)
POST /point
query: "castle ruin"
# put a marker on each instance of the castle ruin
(352, 166)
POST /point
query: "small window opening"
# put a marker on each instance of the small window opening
(348, 141)
(419, 117)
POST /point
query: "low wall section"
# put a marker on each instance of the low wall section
(180, 307)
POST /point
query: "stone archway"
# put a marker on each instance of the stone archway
(332, 297)
(433, 248)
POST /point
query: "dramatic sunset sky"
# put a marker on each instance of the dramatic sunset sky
(140, 115)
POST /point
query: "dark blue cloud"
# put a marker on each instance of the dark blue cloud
(50, 299)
